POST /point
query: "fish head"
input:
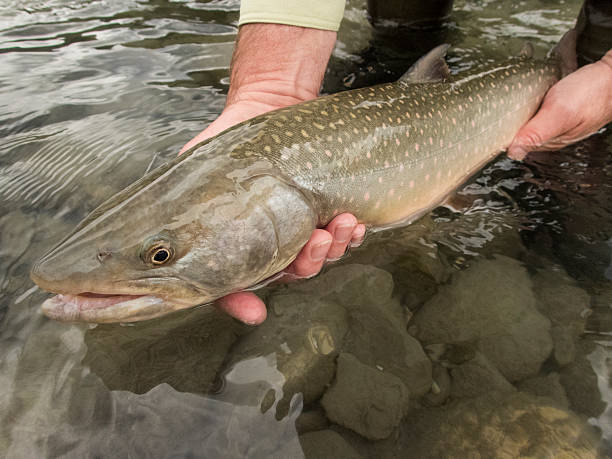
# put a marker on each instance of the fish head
(149, 251)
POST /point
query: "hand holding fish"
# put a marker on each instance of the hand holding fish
(574, 108)
(258, 90)
(247, 204)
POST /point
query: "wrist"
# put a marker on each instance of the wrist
(278, 65)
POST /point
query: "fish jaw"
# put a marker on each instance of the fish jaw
(97, 308)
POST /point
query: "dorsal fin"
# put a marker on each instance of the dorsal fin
(428, 69)
(565, 53)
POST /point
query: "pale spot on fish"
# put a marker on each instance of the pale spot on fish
(366, 196)
(328, 153)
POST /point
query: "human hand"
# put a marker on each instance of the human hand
(574, 108)
(275, 66)
(324, 244)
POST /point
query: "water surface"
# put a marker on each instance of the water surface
(484, 327)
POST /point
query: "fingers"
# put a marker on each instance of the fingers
(358, 235)
(328, 244)
(312, 256)
(341, 228)
(542, 129)
(244, 306)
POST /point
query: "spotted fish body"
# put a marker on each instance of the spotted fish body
(390, 152)
(237, 209)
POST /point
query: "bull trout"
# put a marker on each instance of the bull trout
(237, 208)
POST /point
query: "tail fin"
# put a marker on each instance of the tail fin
(565, 53)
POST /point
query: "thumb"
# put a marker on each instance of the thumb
(543, 127)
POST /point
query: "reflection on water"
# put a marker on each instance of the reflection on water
(484, 328)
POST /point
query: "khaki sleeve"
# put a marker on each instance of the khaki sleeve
(316, 14)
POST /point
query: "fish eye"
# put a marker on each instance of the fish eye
(159, 254)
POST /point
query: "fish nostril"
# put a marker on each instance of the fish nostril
(103, 255)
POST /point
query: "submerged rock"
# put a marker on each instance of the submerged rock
(364, 399)
(440, 387)
(567, 306)
(476, 377)
(327, 444)
(185, 350)
(580, 382)
(311, 420)
(546, 386)
(492, 305)
(376, 326)
(495, 425)
(306, 335)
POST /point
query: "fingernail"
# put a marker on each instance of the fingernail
(359, 232)
(517, 153)
(343, 233)
(319, 251)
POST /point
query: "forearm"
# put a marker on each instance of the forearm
(278, 64)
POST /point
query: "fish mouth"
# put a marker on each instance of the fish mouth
(104, 308)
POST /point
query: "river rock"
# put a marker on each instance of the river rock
(477, 376)
(350, 284)
(546, 386)
(306, 335)
(377, 334)
(580, 383)
(440, 387)
(327, 444)
(311, 420)
(492, 305)
(493, 426)
(185, 350)
(366, 400)
(566, 305)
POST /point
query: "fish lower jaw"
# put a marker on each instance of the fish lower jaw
(105, 308)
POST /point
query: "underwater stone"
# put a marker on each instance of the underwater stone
(306, 335)
(375, 317)
(477, 376)
(327, 444)
(491, 304)
(365, 399)
(565, 304)
(499, 426)
(546, 386)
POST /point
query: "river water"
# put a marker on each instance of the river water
(482, 330)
